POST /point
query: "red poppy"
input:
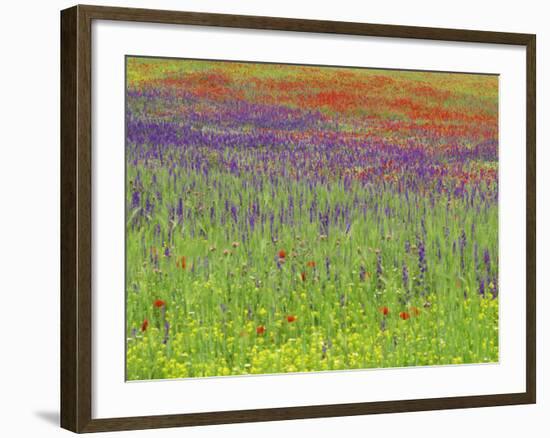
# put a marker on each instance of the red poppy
(183, 262)
(282, 254)
(404, 315)
(159, 303)
(415, 311)
(303, 276)
(291, 318)
(260, 330)
(144, 325)
(311, 264)
(384, 310)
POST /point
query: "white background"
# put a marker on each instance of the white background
(112, 397)
(29, 216)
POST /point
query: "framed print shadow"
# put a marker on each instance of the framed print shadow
(270, 218)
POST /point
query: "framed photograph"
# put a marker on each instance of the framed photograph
(272, 218)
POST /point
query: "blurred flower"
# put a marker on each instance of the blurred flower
(144, 325)
(159, 303)
(166, 332)
(362, 273)
(404, 315)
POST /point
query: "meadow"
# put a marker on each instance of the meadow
(286, 218)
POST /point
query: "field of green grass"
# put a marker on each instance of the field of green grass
(291, 219)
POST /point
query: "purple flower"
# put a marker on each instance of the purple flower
(136, 199)
(405, 275)
(422, 267)
(166, 331)
(487, 260)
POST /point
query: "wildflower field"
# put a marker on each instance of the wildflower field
(284, 218)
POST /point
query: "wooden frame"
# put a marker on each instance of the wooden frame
(76, 217)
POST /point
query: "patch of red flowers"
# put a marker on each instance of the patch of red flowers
(159, 303)
(291, 318)
(183, 262)
(384, 310)
(404, 315)
(260, 330)
(282, 254)
(144, 325)
(303, 276)
(311, 264)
